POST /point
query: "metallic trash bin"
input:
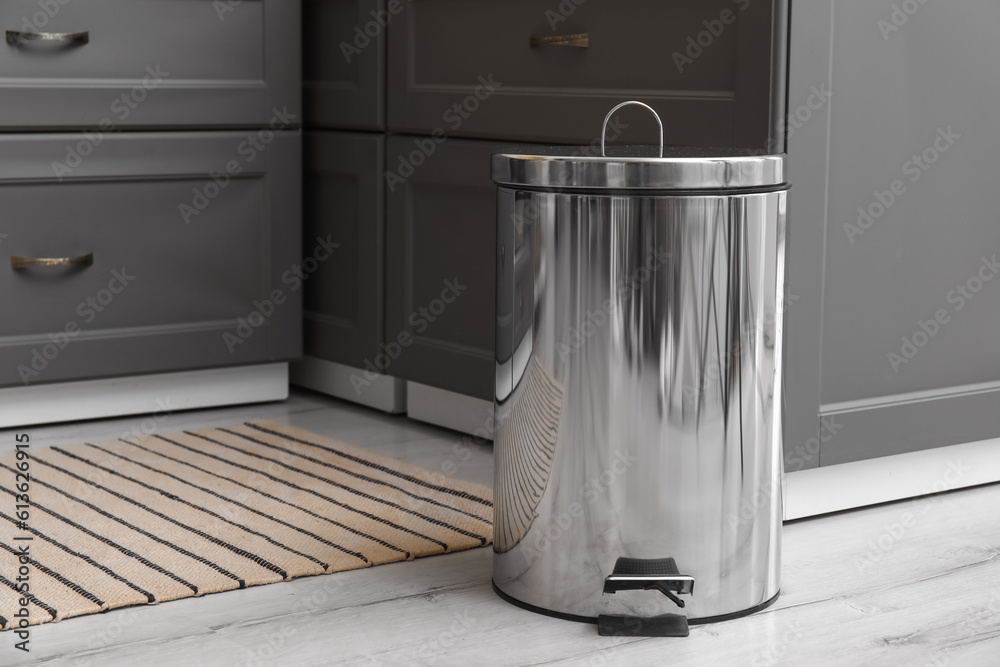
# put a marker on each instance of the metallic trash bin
(638, 385)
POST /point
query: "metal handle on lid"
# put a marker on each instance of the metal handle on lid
(604, 128)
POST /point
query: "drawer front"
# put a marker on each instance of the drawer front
(343, 191)
(343, 66)
(150, 63)
(560, 93)
(440, 267)
(188, 235)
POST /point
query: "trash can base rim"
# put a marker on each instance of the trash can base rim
(587, 619)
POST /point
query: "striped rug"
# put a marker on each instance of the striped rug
(158, 518)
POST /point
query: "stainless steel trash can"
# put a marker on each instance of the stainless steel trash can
(638, 384)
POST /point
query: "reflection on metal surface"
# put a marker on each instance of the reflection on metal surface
(522, 467)
(659, 317)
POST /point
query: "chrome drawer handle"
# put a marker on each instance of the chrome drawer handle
(18, 263)
(580, 40)
(55, 39)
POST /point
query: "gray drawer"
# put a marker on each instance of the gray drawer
(167, 283)
(151, 63)
(439, 50)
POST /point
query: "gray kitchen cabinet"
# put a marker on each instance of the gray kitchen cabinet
(343, 65)
(344, 300)
(895, 339)
(706, 68)
(135, 64)
(445, 83)
(185, 248)
(440, 266)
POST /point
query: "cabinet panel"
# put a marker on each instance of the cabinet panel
(344, 302)
(637, 49)
(192, 247)
(151, 63)
(895, 168)
(343, 65)
(440, 266)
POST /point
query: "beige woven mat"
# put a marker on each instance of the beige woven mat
(158, 518)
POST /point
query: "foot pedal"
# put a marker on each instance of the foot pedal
(668, 625)
(638, 574)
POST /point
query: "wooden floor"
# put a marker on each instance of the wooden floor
(914, 583)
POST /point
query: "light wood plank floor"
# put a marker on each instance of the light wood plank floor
(928, 596)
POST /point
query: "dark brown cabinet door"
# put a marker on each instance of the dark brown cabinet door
(704, 66)
(343, 64)
(343, 203)
(440, 266)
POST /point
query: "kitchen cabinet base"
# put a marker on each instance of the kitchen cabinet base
(142, 394)
(458, 412)
(889, 478)
(382, 392)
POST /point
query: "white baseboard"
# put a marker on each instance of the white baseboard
(449, 409)
(383, 392)
(141, 394)
(862, 483)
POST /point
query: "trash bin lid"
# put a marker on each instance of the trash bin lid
(696, 169)
(639, 167)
